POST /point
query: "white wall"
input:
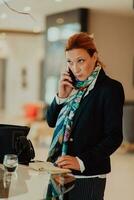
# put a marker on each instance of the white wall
(25, 51)
(115, 40)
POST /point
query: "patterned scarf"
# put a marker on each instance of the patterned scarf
(55, 190)
(59, 144)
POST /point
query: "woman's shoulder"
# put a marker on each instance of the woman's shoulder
(113, 87)
(110, 82)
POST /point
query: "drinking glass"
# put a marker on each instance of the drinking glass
(10, 162)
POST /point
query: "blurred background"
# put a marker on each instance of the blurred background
(32, 38)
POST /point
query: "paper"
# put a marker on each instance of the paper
(47, 166)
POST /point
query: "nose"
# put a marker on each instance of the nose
(76, 68)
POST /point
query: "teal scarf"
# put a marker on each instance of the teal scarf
(59, 144)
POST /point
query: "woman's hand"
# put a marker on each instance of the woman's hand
(65, 85)
(68, 162)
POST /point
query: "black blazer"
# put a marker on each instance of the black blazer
(97, 127)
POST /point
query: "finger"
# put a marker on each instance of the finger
(61, 159)
(64, 158)
(66, 77)
(66, 83)
(66, 70)
(65, 163)
(62, 163)
(67, 157)
(68, 162)
(65, 73)
(68, 166)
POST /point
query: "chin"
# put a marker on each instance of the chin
(80, 78)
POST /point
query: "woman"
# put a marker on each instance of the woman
(87, 116)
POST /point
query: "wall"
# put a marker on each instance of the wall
(114, 36)
(115, 40)
(25, 51)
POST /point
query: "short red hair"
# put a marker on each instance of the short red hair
(81, 41)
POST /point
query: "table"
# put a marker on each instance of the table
(28, 184)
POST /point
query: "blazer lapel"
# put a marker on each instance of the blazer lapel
(86, 99)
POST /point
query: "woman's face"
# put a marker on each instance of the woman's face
(81, 63)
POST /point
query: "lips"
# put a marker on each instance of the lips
(78, 75)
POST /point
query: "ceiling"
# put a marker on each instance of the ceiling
(41, 8)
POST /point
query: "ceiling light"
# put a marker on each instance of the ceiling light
(3, 16)
(3, 36)
(27, 9)
(60, 20)
(37, 29)
(58, 0)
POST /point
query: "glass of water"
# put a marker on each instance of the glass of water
(10, 162)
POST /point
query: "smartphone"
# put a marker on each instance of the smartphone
(72, 76)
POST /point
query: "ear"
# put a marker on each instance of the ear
(95, 56)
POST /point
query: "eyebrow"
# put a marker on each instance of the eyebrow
(79, 57)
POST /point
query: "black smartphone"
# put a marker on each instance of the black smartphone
(72, 76)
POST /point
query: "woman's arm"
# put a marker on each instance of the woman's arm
(53, 112)
(113, 112)
(64, 90)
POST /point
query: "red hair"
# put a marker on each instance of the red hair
(82, 41)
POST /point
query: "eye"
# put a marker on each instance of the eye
(69, 62)
(81, 60)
